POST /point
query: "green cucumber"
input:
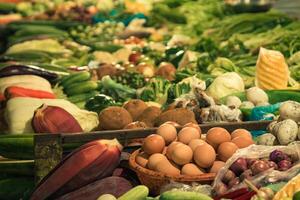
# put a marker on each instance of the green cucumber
(58, 24)
(80, 105)
(82, 97)
(75, 78)
(16, 188)
(17, 167)
(82, 87)
(183, 195)
(17, 147)
(7, 7)
(137, 193)
(21, 146)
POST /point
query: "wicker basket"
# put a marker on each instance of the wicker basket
(155, 180)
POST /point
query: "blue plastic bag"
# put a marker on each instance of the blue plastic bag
(263, 113)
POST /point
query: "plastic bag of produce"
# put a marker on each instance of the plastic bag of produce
(264, 112)
(262, 165)
(194, 187)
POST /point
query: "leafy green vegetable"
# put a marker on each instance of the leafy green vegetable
(156, 90)
(99, 102)
(177, 90)
(131, 79)
(117, 91)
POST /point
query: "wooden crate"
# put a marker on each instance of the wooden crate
(49, 151)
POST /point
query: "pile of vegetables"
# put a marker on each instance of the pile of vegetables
(130, 65)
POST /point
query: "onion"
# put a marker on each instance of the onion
(284, 165)
(251, 161)
(228, 176)
(233, 182)
(277, 156)
(272, 164)
(221, 189)
(259, 166)
(239, 166)
(246, 175)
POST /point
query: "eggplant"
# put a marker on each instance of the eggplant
(16, 69)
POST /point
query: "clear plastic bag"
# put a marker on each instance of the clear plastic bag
(267, 177)
(194, 187)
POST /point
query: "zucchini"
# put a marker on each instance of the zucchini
(63, 25)
(17, 167)
(16, 188)
(21, 146)
(17, 147)
(137, 193)
(82, 97)
(81, 87)
(75, 78)
(183, 195)
(80, 105)
(7, 7)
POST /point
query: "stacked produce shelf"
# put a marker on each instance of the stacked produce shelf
(186, 99)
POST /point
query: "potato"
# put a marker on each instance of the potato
(166, 70)
(181, 116)
(106, 69)
(114, 118)
(149, 115)
(135, 107)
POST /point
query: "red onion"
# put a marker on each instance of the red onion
(259, 166)
(221, 189)
(251, 161)
(272, 164)
(246, 175)
(233, 182)
(228, 176)
(277, 156)
(239, 166)
(284, 165)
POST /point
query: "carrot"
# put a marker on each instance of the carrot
(15, 91)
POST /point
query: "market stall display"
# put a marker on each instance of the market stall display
(203, 97)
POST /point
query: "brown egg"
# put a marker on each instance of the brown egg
(186, 134)
(153, 144)
(204, 155)
(171, 148)
(193, 125)
(168, 132)
(242, 141)
(226, 150)
(241, 132)
(166, 167)
(172, 123)
(215, 136)
(154, 159)
(216, 166)
(195, 142)
(191, 169)
(182, 154)
(142, 159)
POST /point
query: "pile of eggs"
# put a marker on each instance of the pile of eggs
(186, 152)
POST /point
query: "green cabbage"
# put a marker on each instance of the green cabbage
(226, 84)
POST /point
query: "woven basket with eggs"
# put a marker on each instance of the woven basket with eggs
(155, 180)
(184, 156)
